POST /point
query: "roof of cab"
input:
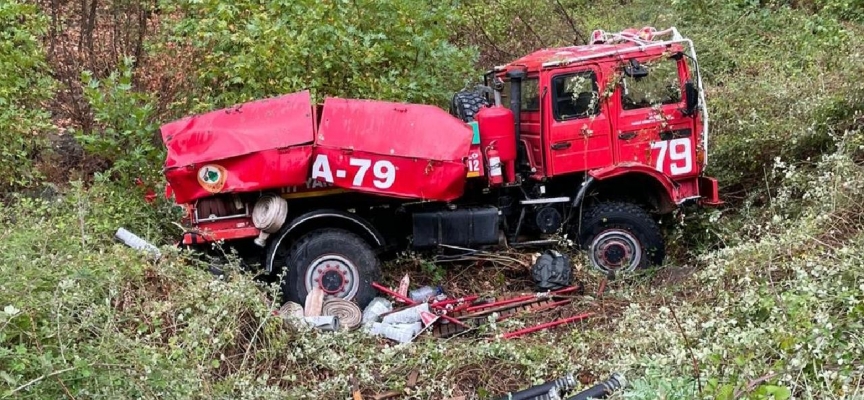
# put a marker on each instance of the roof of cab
(577, 54)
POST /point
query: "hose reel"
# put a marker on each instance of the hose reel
(268, 215)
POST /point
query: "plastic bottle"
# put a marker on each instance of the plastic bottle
(423, 294)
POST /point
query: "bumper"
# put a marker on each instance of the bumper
(229, 229)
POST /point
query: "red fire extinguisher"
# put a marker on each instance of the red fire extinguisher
(495, 178)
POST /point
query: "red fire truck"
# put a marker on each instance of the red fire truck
(590, 142)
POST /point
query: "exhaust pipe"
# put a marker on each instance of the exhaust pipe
(516, 77)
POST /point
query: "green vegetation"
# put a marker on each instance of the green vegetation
(24, 85)
(763, 299)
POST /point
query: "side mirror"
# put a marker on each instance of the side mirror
(635, 70)
(691, 93)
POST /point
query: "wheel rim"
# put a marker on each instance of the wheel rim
(334, 274)
(616, 250)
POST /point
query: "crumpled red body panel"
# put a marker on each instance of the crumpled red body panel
(392, 149)
(258, 145)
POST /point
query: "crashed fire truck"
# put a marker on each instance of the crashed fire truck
(564, 141)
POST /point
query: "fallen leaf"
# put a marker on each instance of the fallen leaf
(412, 378)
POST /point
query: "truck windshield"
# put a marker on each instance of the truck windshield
(660, 87)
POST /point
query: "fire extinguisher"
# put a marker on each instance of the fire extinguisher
(495, 177)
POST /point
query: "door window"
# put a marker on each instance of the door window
(575, 96)
(660, 87)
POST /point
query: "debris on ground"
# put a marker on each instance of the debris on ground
(408, 313)
(323, 322)
(377, 307)
(404, 284)
(557, 388)
(552, 271)
(603, 389)
(136, 242)
(314, 302)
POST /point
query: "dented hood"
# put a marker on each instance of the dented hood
(247, 128)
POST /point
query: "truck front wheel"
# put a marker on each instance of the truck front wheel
(341, 263)
(621, 237)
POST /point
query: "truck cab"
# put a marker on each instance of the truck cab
(612, 108)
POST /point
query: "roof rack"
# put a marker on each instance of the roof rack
(643, 39)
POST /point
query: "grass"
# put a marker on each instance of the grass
(99, 320)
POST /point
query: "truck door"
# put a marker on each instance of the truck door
(652, 128)
(579, 126)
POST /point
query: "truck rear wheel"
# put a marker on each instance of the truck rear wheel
(621, 237)
(341, 263)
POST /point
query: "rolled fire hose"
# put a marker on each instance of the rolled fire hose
(552, 390)
(349, 314)
(268, 216)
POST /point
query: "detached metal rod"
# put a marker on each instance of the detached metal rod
(521, 332)
(393, 293)
(522, 298)
(467, 299)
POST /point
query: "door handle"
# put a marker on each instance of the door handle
(561, 146)
(626, 135)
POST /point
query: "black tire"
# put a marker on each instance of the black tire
(465, 105)
(621, 237)
(345, 262)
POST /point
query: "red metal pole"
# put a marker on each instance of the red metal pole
(395, 294)
(521, 299)
(442, 303)
(521, 332)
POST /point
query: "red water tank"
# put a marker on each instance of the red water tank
(496, 128)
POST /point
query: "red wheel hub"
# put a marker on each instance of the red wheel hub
(331, 279)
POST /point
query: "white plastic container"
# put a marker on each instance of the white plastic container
(406, 316)
(376, 307)
(402, 333)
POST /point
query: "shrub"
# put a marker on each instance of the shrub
(393, 50)
(125, 133)
(25, 83)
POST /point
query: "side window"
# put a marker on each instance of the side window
(575, 96)
(530, 94)
(660, 87)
